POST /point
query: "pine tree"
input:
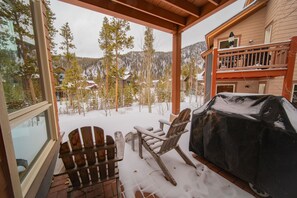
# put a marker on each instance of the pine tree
(120, 41)
(74, 84)
(148, 50)
(67, 43)
(50, 16)
(189, 70)
(105, 44)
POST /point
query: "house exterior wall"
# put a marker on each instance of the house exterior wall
(242, 86)
(247, 86)
(252, 28)
(275, 86)
(283, 16)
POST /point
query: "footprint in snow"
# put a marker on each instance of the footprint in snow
(228, 190)
(199, 169)
(187, 188)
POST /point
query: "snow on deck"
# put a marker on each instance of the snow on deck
(145, 174)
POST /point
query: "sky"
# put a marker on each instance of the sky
(85, 25)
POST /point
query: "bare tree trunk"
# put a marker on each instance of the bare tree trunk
(117, 83)
(32, 91)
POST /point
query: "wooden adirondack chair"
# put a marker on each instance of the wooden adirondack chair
(88, 161)
(159, 143)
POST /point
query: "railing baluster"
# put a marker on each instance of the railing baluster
(248, 59)
(285, 55)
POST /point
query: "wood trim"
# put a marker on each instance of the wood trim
(48, 74)
(124, 12)
(205, 11)
(5, 180)
(205, 53)
(234, 85)
(226, 38)
(24, 111)
(185, 6)
(147, 8)
(215, 2)
(288, 79)
(209, 37)
(31, 114)
(251, 74)
(8, 145)
(214, 73)
(176, 71)
(39, 170)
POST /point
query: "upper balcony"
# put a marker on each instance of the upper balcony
(265, 60)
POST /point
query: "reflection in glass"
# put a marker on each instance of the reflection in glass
(18, 57)
(29, 138)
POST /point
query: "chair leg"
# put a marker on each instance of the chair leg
(140, 144)
(118, 188)
(166, 172)
(185, 158)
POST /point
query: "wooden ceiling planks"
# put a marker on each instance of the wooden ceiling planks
(166, 15)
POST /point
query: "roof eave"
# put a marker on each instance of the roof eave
(248, 11)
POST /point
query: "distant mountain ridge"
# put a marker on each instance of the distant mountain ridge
(132, 61)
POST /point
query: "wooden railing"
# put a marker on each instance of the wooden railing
(256, 57)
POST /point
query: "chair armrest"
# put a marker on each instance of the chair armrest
(162, 122)
(120, 144)
(149, 133)
(165, 122)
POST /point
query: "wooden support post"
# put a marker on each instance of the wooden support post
(214, 73)
(176, 71)
(288, 78)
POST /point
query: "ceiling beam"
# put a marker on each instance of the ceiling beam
(120, 11)
(148, 8)
(205, 11)
(185, 6)
(215, 2)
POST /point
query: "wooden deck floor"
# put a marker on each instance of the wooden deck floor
(108, 189)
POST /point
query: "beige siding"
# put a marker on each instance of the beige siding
(251, 28)
(282, 14)
(243, 86)
(247, 86)
(275, 86)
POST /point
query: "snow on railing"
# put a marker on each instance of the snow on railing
(264, 56)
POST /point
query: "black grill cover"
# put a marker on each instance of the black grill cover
(254, 137)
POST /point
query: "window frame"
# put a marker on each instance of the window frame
(265, 87)
(227, 84)
(226, 39)
(30, 184)
(268, 36)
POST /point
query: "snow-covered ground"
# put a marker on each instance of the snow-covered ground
(144, 174)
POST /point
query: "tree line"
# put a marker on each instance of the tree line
(114, 89)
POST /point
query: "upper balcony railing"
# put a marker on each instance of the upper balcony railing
(256, 57)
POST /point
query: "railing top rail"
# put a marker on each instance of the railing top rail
(253, 46)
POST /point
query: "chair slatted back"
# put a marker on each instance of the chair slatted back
(87, 161)
(176, 129)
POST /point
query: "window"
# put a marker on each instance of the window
(294, 95)
(268, 31)
(225, 88)
(262, 88)
(223, 44)
(27, 113)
